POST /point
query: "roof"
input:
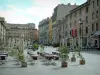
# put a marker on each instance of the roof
(79, 7)
(44, 21)
(20, 26)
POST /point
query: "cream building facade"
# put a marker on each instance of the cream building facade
(60, 12)
(89, 15)
(15, 31)
(85, 20)
(2, 33)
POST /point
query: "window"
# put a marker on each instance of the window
(75, 23)
(70, 16)
(86, 19)
(80, 12)
(96, 26)
(75, 14)
(80, 19)
(70, 32)
(86, 9)
(86, 30)
(66, 33)
(93, 15)
(93, 4)
(70, 25)
(97, 14)
(97, 2)
(92, 27)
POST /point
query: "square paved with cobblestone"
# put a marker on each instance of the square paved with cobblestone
(92, 67)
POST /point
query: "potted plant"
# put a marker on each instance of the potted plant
(64, 55)
(73, 58)
(82, 59)
(35, 46)
(41, 50)
(21, 58)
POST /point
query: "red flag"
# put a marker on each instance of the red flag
(74, 32)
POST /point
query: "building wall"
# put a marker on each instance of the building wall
(44, 31)
(63, 10)
(84, 13)
(36, 34)
(60, 12)
(31, 25)
(67, 17)
(2, 33)
(15, 31)
(80, 14)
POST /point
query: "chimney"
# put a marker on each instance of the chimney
(75, 4)
(68, 4)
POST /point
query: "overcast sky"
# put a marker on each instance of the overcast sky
(26, 11)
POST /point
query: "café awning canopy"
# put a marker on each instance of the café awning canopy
(97, 33)
(3, 55)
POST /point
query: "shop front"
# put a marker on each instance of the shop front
(96, 40)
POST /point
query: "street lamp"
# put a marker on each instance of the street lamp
(81, 24)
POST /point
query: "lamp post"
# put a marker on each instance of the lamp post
(81, 24)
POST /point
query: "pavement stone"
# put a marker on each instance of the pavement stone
(91, 67)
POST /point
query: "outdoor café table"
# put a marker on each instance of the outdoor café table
(2, 58)
(48, 57)
(55, 53)
(4, 53)
(55, 57)
(34, 57)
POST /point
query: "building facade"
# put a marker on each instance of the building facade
(94, 22)
(84, 20)
(15, 31)
(2, 33)
(44, 31)
(60, 12)
(74, 25)
(77, 15)
(36, 38)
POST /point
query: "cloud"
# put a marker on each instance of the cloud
(11, 16)
(47, 3)
(40, 9)
(14, 8)
(33, 12)
(78, 2)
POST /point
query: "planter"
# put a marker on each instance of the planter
(64, 64)
(73, 59)
(34, 57)
(24, 64)
(82, 62)
(41, 54)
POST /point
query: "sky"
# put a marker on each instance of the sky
(30, 11)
